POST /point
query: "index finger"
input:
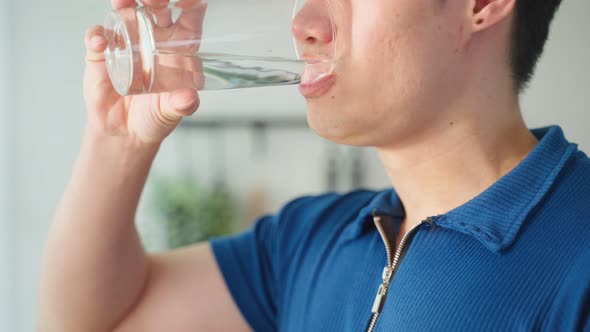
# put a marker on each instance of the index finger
(118, 4)
(155, 3)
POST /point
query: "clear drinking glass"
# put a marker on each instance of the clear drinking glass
(215, 44)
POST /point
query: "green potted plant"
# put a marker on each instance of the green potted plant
(190, 212)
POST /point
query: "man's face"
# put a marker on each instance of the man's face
(400, 64)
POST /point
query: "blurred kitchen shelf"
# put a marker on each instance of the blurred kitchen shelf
(255, 122)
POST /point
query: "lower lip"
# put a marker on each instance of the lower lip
(318, 87)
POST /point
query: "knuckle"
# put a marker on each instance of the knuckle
(90, 32)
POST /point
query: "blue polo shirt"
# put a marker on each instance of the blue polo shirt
(514, 258)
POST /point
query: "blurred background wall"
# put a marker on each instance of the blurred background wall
(7, 255)
(560, 89)
(42, 118)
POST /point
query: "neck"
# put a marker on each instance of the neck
(451, 164)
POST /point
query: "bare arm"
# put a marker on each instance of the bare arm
(185, 292)
(96, 275)
(95, 267)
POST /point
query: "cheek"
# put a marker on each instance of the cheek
(385, 37)
(386, 67)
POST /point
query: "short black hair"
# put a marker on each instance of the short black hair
(532, 19)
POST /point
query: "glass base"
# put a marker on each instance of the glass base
(130, 52)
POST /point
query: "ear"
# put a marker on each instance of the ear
(487, 13)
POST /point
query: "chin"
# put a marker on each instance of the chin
(359, 124)
(333, 126)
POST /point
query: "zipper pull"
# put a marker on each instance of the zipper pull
(379, 299)
(386, 275)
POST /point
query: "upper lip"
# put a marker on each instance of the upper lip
(307, 56)
(311, 58)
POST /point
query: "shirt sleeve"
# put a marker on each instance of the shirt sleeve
(253, 262)
(246, 262)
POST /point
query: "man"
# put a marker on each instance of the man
(487, 227)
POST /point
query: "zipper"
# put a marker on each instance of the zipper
(392, 264)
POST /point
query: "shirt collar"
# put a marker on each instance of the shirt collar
(495, 216)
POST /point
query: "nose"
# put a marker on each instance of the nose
(312, 25)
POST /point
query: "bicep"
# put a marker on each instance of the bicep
(185, 292)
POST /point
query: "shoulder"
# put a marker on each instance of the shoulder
(326, 205)
(579, 163)
(332, 208)
(573, 187)
(571, 306)
(563, 216)
(311, 219)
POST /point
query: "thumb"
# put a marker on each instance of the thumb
(180, 103)
(167, 109)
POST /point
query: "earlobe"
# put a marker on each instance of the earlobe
(486, 13)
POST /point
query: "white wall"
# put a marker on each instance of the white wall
(48, 119)
(7, 272)
(560, 92)
(48, 116)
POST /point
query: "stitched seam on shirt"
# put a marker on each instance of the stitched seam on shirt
(474, 230)
(542, 191)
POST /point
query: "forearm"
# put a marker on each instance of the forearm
(95, 266)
